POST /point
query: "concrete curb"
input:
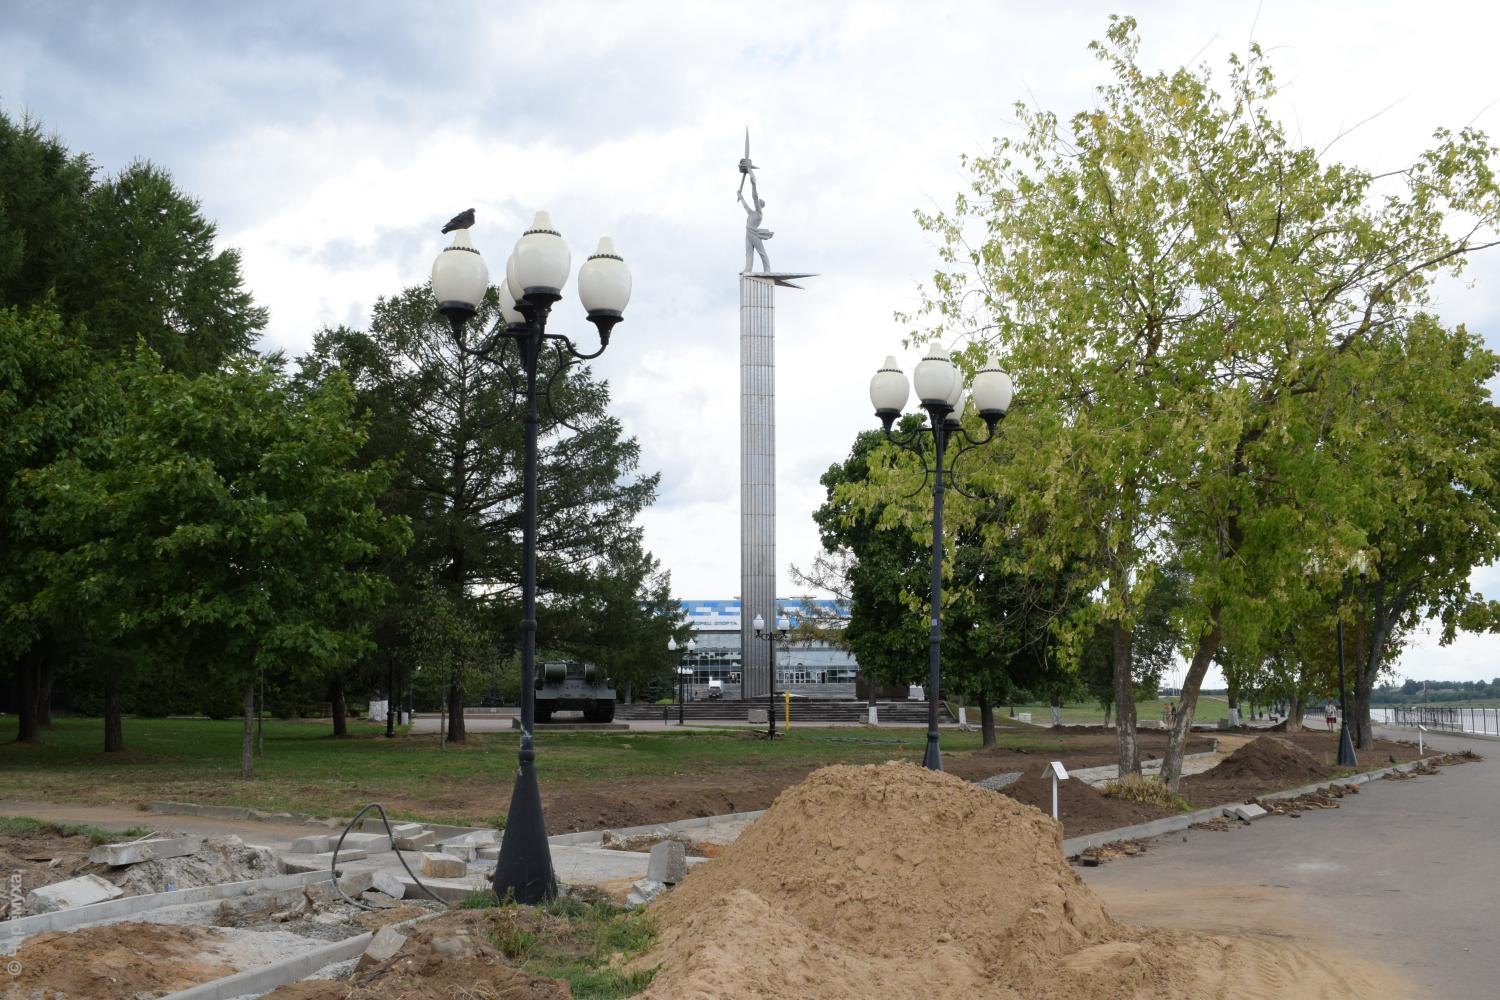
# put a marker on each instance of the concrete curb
(586, 837)
(19, 929)
(1171, 824)
(265, 978)
(240, 812)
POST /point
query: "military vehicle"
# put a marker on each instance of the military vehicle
(567, 685)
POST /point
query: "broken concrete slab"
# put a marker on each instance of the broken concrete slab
(478, 838)
(382, 947)
(406, 829)
(668, 862)
(151, 849)
(315, 844)
(388, 883)
(440, 865)
(293, 863)
(80, 891)
(355, 883)
(449, 890)
(490, 853)
(1246, 811)
(644, 892)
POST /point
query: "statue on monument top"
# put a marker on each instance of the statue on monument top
(755, 234)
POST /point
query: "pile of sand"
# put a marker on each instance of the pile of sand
(116, 960)
(892, 881)
(1268, 758)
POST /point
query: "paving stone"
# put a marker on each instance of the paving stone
(80, 891)
(440, 865)
(1246, 812)
(406, 829)
(388, 883)
(382, 947)
(136, 851)
(459, 849)
(365, 842)
(315, 844)
(417, 841)
(668, 862)
(490, 853)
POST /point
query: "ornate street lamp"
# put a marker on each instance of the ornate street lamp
(672, 647)
(940, 391)
(534, 278)
(759, 624)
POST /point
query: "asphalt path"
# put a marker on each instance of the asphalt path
(1407, 873)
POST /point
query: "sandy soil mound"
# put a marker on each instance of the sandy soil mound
(117, 960)
(892, 881)
(1269, 758)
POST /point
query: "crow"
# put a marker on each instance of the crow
(463, 220)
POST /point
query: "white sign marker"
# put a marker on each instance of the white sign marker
(1059, 773)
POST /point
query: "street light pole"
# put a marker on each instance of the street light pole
(940, 389)
(770, 636)
(672, 646)
(534, 277)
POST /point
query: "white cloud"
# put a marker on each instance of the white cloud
(331, 142)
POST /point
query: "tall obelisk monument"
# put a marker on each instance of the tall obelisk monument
(757, 438)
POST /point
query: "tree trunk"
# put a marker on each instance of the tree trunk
(987, 721)
(1208, 645)
(629, 693)
(26, 687)
(1109, 710)
(1234, 703)
(1294, 714)
(1360, 724)
(260, 718)
(44, 693)
(390, 698)
(1056, 712)
(340, 712)
(455, 712)
(247, 743)
(114, 727)
(1125, 742)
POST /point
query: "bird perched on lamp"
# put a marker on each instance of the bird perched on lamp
(463, 220)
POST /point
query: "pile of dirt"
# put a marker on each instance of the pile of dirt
(117, 960)
(1268, 758)
(35, 860)
(1457, 757)
(894, 881)
(1081, 807)
(452, 956)
(219, 860)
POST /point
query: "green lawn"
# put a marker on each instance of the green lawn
(1210, 707)
(306, 770)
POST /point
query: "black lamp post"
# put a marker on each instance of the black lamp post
(940, 388)
(534, 278)
(770, 636)
(672, 647)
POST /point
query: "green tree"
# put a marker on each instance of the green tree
(1179, 287)
(225, 523)
(54, 403)
(443, 408)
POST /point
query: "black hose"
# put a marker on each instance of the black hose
(334, 861)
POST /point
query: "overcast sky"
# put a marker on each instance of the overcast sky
(331, 140)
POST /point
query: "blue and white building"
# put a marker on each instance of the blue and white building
(812, 668)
